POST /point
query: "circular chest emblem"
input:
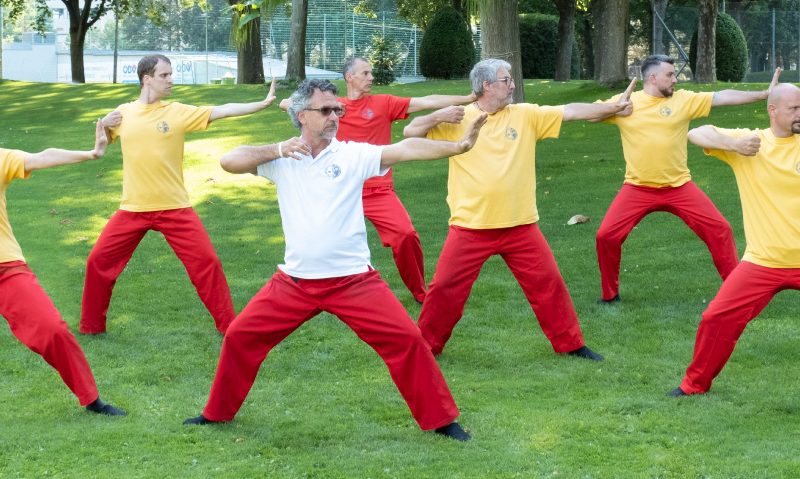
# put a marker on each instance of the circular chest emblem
(665, 111)
(797, 167)
(333, 171)
(511, 133)
(162, 126)
(367, 114)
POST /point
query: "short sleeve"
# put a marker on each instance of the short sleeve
(698, 104)
(12, 166)
(193, 118)
(546, 120)
(395, 106)
(369, 163)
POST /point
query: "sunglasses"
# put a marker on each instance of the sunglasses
(327, 110)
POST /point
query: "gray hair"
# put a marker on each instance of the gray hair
(302, 96)
(486, 70)
(652, 62)
(348, 65)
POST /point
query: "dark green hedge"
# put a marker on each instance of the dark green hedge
(447, 50)
(538, 39)
(730, 52)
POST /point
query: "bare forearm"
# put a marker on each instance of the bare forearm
(737, 97)
(245, 159)
(56, 157)
(590, 111)
(420, 126)
(412, 149)
(434, 102)
(236, 109)
(708, 137)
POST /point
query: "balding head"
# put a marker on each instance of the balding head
(783, 106)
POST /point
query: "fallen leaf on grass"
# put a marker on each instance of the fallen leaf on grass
(577, 219)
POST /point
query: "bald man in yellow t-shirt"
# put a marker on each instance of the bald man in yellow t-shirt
(27, 308)
(766, 164)
(154, 196)
(491, 191)
(657, 175)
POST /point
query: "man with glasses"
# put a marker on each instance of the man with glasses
(154, 197)
(327, 262)
(492, 198)
(657, 175)
(30, 313)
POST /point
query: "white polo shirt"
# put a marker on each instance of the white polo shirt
(321, 209)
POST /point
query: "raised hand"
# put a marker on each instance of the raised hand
(100, 141)
(471, 135)
(294, 148)
(776, 78)
(624, 101)
(270, 94)
(748, 145)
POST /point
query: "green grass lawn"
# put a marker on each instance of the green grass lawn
(324, 405)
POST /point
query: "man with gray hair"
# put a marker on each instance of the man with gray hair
(657, 174)
(327, 262)
(492, 199)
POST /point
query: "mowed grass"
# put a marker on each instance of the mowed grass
(324, 405)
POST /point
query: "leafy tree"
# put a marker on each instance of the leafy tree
(383, 56)
(446, 50)
(731, 50)
(706, 41)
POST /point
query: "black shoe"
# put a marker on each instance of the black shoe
(615, 299)
(101, 407)
(453, 431)
(676, 393)
(199, 421)
(585, 353)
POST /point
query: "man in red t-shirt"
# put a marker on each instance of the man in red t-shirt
(368, 118)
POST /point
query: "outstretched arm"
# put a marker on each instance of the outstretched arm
(432, 102)
(245, 159)
(425, 149)
(708, 137)
(739, 97)
(57, 157)
(239, 109)
(622, 107)
(419, 126)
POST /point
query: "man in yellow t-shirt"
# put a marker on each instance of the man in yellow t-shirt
(30, 313)
(656, 172)
(766, 164)
(154, 196)
(492, 199)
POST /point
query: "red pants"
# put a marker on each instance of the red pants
(527, 254)
(687, 202)
(365, 303)
(188, 238)
(748, 289)
(35, 321)
(390, 218)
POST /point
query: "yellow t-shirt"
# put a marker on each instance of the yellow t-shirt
(12, 166)
(654, 136)
(769, 187)
(494, 184)
(152, 153)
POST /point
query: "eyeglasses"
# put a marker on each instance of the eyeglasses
(327, 110)
(506, 80)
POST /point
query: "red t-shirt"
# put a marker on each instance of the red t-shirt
(369, 120)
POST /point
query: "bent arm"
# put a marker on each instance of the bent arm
(245, 159)
(421, 125)
(425, 149)
(432, 102)
(592, 111)
(708, 137)
(56, 156)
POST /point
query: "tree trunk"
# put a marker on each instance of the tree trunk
(566, 38)
(77, 38)
(658, 45)
(706, 41)
(500, 38)
(296, 57)
(249, 57)
(610, 40)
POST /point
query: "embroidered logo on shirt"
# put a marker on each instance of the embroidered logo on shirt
(162, 126)
(367, 114)
(797, 167)
(333, 171)
(665, 111)
(511, 133)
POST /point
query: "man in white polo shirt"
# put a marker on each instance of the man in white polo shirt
(327, 261)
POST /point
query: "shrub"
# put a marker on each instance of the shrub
(383, 56)
(730, 51)
(538, 39)
(447, 50)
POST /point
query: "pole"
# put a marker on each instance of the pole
(772, 56)
(1, 42)
(116, 38)
(205, 15)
